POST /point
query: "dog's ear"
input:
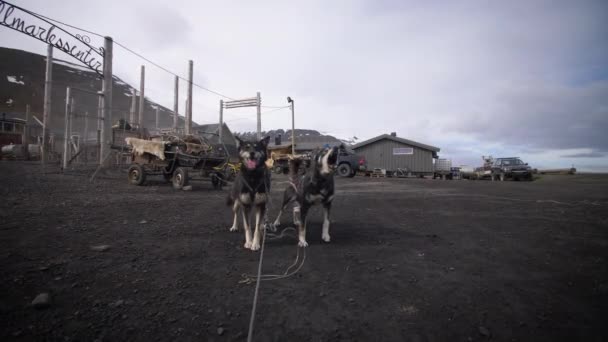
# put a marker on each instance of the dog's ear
(239, 143)
(264, 142)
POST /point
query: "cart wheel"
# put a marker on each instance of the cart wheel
(180, 178)
(137, 175)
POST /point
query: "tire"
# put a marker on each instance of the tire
(217, 181)
(137, 174)
(344, 170)
(180, 178)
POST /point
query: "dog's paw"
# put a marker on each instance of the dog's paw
(248, 245)
(302, 243)
(255, 246)
(234, 229)
(326, 237)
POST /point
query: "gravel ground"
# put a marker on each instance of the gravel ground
(410, 260)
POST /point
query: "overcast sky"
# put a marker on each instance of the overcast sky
(507, 78)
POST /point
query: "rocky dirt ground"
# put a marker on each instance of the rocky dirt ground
(410, 260)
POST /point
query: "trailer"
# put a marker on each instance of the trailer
(442, 169)
(177, 160)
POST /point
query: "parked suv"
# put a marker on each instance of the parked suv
(349, 163)
(513, 167)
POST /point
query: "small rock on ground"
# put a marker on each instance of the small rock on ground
(100, 248)
(187, 188)
(42, 301)
(484, 331)
(220, 331)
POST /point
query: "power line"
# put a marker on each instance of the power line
(140, 56)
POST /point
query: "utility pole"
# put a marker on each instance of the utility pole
(133, 107)
(142, 82)
(259, 116)
(175, 105)
(221, 119)
(293, 126)
(157, 117)
(46, 116)
(189, 108)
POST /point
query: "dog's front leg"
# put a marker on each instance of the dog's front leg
(300, 221)
(259, 214)
(326, 211)
(235, 210)
(245, 210)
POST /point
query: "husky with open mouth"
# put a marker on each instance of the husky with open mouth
(316, 186)
(251, 188)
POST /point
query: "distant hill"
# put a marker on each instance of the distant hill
(22, 77)
(302, 136)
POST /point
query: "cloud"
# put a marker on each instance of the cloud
(585, 155)
(512, 78)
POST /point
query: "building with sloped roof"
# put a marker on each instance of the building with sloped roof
(389, 152)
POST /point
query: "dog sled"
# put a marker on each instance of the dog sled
(177, 159)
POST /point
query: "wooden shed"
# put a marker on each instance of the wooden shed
(389, 152)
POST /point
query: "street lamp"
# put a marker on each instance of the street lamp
(293, 127)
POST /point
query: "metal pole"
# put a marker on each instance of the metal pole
(221, 119)
(66, 134)
(259, 117)
(142, 99)
(189, 113)
(157, 111)
(106, 126)
(46, 118)
(133, 107)
(293, 129)
(26, 134)
(175, 104)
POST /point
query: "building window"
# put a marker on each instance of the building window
(402, 150)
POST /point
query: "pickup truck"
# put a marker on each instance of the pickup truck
(511, 167)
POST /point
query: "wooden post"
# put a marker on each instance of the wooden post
(189, 113)
(106, 126)
(176, 104)
(71, 116)
(46, 118)
(259, 117)
(85, 131)
(185, 117)
(26, 133)
(98, 142)
(157, 112)
(66, 135)
(133, 107)
(221, 119)
(83, 139)
(142, 82)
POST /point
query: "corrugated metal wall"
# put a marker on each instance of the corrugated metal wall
(380, 155)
